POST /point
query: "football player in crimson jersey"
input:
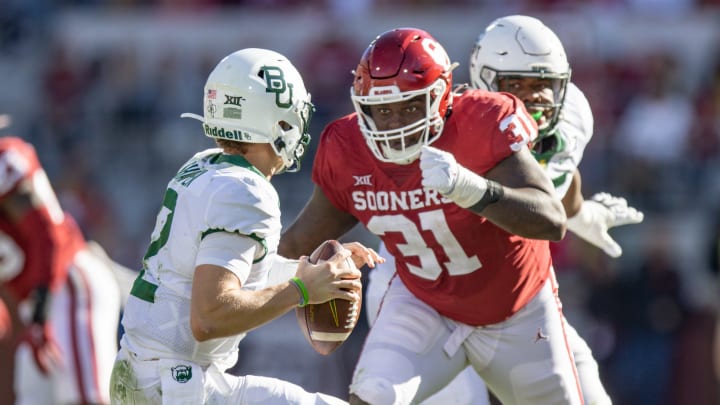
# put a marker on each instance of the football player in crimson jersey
(520, 55)
(451, 188)
(63, 299)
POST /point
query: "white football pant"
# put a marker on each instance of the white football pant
(84, 315)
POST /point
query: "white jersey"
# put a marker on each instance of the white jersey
(212, 192)
(574, 130)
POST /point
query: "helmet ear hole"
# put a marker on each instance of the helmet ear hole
(279, 145)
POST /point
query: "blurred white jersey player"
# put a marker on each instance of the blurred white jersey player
(520, 55)
(203, 284)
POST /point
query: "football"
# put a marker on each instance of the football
(326, 326)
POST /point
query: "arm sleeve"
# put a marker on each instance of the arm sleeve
(229, 250)
(515, 129)
(249, 206)
(283, 269)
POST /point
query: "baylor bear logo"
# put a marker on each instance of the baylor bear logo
(181, 374)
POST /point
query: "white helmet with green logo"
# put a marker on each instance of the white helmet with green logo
(257, 96)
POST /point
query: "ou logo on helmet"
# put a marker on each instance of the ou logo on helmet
(275, 82)
(436, 51)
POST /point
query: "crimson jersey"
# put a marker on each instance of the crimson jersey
(38, 248)
(458, 262)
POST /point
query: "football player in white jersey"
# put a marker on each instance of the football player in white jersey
(205, 278)
(520, 55)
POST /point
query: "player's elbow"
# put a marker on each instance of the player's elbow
(201, 329)
(548, 223)
(288, 246)
(558, 230)
(557, 224)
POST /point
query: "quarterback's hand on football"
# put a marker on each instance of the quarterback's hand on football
(442, 173)
(45, 350)
(600, 213)
(336, 277)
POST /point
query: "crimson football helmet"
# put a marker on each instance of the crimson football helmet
(400, 65)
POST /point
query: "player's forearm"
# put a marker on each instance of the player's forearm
(530, 213)
(240, 311)
(573, 198)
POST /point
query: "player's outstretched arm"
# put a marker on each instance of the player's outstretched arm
(516, 194)
(600, 213)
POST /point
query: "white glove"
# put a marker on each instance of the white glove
(597, 215)
(442, 173)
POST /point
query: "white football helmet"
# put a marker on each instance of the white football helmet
(519, 46)
(257, 96)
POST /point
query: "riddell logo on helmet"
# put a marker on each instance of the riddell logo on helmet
(384, 90)
(216, 132)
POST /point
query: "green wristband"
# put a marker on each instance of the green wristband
(304, 297)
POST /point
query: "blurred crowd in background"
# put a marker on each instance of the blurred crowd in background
(98, 87)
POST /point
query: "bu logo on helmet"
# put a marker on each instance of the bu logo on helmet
(275, 80)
